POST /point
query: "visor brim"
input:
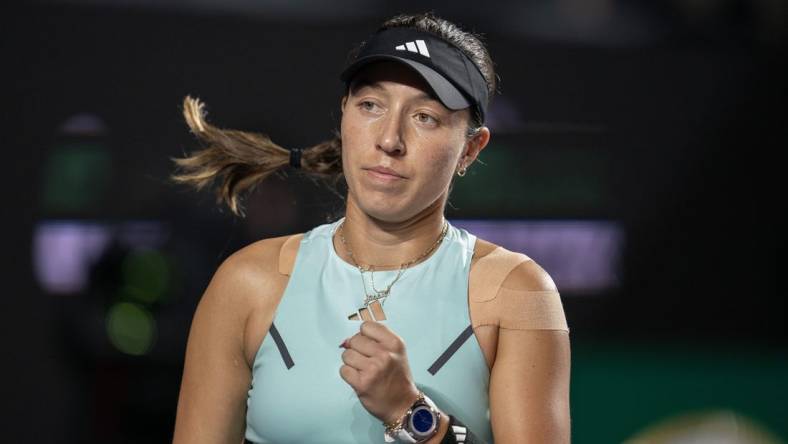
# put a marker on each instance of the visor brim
(444, 90)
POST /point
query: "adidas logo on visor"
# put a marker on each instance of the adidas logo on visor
(418, 47)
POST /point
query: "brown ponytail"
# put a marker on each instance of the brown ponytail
(241, 160)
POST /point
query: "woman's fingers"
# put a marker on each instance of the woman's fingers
(355, 359)
(358, 370)
(376, 367)
(350, 375)
(364, 345)
(382, 334)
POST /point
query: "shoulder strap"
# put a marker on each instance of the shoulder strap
(288, 252)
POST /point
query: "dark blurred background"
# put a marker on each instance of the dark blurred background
(635, 155)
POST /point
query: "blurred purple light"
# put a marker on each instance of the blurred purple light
(581, 256)
(84, 124)
(142, 234)
(64, 251)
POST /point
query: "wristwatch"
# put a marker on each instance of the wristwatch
(419, 424)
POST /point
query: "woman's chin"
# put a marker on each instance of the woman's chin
(391, 208)
(385, 213)
(395, 212)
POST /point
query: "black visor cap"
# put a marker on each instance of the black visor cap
(453, 77)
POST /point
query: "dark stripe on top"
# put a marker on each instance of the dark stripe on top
(280, 344)
(445, 356)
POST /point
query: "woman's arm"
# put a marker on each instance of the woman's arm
(529, 380)
(216, 374)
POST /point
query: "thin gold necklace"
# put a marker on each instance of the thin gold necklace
(381, 295)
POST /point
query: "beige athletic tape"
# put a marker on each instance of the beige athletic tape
(288, 252)
(492, 304)
(489, 272)
(521, 310)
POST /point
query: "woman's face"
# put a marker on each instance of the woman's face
(401, 146)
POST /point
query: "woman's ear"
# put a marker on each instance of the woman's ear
(342, 103)
(475, 145)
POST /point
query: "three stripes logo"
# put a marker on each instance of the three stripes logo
(460, 433)
(418, 47)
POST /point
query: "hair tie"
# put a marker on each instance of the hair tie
(295, 157)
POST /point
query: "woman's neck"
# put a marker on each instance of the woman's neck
(387, 245)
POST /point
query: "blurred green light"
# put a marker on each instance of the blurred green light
(76, 177)
(131, 328)
(146, 276)
(536, 181)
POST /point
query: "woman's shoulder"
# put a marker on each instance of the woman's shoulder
(512, 291)
(252, 274)
(520, 271)
(262, 256)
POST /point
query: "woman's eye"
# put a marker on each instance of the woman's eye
(426, 118)
(367, 105)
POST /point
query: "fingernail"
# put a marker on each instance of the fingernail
(343, 344)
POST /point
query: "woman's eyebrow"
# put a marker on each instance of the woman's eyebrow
(364, 82)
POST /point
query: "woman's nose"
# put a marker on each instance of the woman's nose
(390, 137)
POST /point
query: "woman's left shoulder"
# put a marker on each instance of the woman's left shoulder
(529, 276)
(514, 292)
(526, 274)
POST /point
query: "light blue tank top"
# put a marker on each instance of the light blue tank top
(297, 394)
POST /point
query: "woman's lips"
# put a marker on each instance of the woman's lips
(384, 173)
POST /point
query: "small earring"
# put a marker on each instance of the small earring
(461, 172)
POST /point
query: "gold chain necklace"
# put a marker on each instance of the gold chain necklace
(381, 295)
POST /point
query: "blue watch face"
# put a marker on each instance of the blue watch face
(423, 420)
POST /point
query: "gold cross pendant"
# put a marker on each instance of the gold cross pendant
(370, 312)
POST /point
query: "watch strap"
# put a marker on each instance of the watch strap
(404, 436)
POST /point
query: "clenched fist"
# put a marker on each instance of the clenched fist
(376, 367)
